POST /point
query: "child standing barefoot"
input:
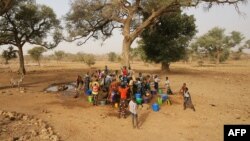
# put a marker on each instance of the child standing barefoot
(133, 110)
(167, 84)
(187, 100)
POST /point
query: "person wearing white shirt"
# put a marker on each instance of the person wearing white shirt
(187, 100)
(133, 110)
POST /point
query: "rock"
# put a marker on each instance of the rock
(25, 117)
(33, 133)
(4, 130)
(1, 112)
(10, 115)
(54, 138)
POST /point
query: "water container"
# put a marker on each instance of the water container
(160, 91)
(103, 102)
(159, 100)
(138, 100)
(137, 95)
(90, 99)
(155, 107)
(88, 92)
(164, 97)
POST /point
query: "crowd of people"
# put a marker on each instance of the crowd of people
(121, 87)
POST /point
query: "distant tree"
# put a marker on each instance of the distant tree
(217, 44)
(9, 54)
(246, 45)
(236, 55)
(112, 56)
(27, 22)
(166, 41)
(88, 59)
(36, 53)
(59, 55)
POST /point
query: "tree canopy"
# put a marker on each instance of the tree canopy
(28, 22)
(9, 54)
(217, 44)
(167, 40)
(98, 18)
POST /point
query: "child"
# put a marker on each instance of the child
(183, 88)
(79, 84)
(95, 90)
(133, 110)
(167, 84)
(187, 100)
(156, 83)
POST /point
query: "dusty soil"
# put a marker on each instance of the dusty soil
(220, 94)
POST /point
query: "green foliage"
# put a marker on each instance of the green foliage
(59, 55)
(36, 53)
(216, 44)
(27, 22)
(166, 41)
(112, 56)
(88, 59)
(9, 54)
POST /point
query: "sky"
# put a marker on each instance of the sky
(221, 16)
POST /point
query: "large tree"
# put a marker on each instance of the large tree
(100, 17)
(27, 22)
(167, 40)
(217, 44)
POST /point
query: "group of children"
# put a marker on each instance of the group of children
(121, 88)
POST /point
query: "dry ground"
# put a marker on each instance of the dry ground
(220, 94)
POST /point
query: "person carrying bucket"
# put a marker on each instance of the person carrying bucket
(133, 110)
(95, 90)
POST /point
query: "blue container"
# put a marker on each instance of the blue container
(137, 95)
(155, 107)
(88, 92)
(164, 97)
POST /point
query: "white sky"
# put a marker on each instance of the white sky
(221, 16)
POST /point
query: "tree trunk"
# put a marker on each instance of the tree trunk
(38, 62)
(165, 66)
(21, 61)
(218, 58)
(6, 61)
(125, 51)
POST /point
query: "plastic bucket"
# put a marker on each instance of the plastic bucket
(159, 100)
(138, 100)
(90, 99)
(103, 102)
(160, 91)
(137, 95)
(88, 92)
(155, 107)
(164, 97)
